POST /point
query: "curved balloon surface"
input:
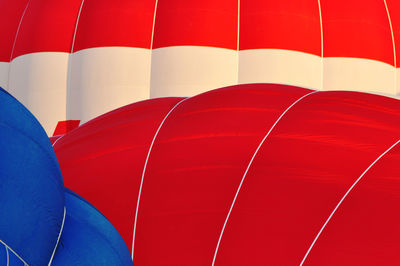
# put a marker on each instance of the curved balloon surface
(38, 224)
(246, 175)
(88, 237)
(31, 190)
(76, 59)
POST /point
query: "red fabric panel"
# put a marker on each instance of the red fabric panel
(115, 23)
(354, 28)
(394, 11)
(103, 159)
(53, 139)
(201, 23)
(366, 225)
(316, 152)
(48, 26)
(64, 127)
(11, 13)
(283, 24)
(195, 166)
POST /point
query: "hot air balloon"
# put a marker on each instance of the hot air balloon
(76, 59)
(41, 224)
(256, 174)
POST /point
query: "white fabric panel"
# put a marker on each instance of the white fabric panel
(397, 82)
(356, 74)
(4, 74)
(39, 81)
(190, 70)
(280, 66)
(102, 79)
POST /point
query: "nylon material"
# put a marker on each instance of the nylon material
(347, 20)
(22, 191)
(52, 32)
(344, 198)
(304, 178)
(206, 23)
(394, 13)
(212, 24)
(87, 232)
(288, 25)
(104, 134)
(100, 18)
(375, 197)
(213, 169)
(11, 15)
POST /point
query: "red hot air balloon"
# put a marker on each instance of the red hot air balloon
(246, 175)
(76, 59)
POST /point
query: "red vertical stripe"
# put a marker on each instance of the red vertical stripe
(201, 23)
(394, 11)
(11, 13)
(358, 29)
(47, 26)
(284, 24)
(115, 23)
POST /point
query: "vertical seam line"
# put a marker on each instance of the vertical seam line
(394, 46)
(59, 237)
(247, 169)
(343, 198)
(151, 44)
(69, 69)
(144, 171)
(322, 45)
(238, 42)
(15, 41)
(15, 253)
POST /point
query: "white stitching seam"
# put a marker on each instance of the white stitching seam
(151, 43)
(394, 46)
(15, 41)
(144, 171)
(69, 69)
(59, 236)
(8, 256)
(238, 43)
(247, 169)
(15, 253)
(343, 198)
(322, 45)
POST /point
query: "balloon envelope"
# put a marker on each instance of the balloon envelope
(245, 175)
(33, 224)
(31, 191)
(75, 60)
(88, 237)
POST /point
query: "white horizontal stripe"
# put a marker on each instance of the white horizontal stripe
(105, 78)
(397, 82)
(39, 81)
(190, 70)
(356, 74)
(4, 74)
(280, 66)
